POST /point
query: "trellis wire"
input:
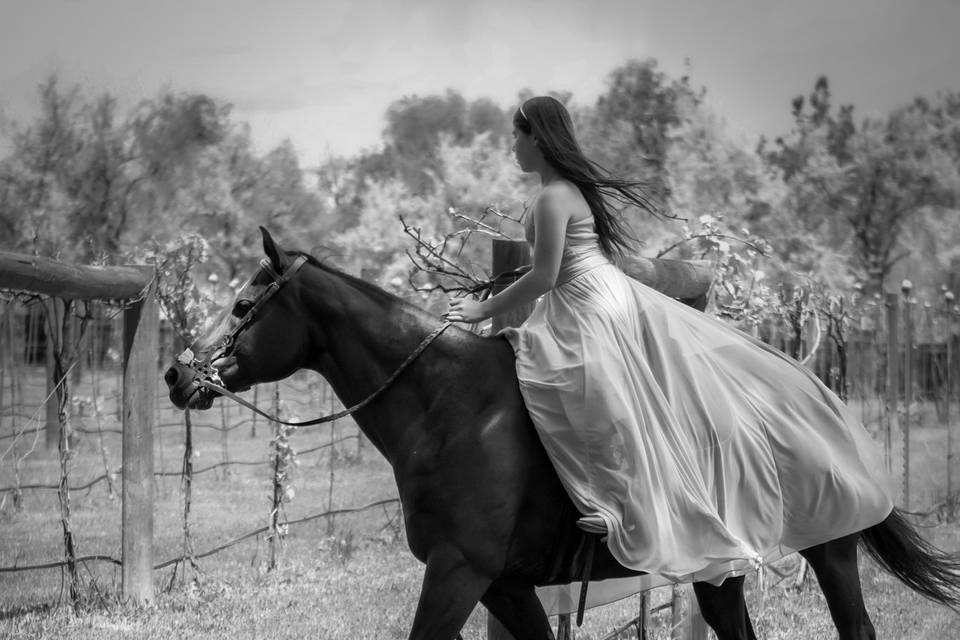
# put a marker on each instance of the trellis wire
(931, 376)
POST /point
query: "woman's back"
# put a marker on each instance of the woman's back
(581, 249)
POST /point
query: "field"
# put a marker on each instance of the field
(343, 576)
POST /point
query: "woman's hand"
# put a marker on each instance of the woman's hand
(465, 310)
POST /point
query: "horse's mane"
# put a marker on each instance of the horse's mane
(373, 291)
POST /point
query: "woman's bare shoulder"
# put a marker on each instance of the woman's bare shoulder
(564, 196)
(561, 193)
(562, 189)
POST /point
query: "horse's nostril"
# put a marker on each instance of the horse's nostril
(171, 376)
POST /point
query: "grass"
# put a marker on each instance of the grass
(345, 577)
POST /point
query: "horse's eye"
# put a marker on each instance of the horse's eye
(241, 307)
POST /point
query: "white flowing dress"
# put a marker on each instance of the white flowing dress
(704, 450)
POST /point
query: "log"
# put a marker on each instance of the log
(682, 279)
(46, 276)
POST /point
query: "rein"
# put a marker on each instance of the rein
(212, 386)
(207, 376)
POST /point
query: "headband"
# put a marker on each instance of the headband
(522, 113)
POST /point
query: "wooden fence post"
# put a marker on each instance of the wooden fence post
(140, 360)
(893, 375)
(686, 621)
(948, 394)
(676, 612)
(696, 626)
(643, 616)
(52, 427)
(45, 276)
(509, 255)
(908, 362)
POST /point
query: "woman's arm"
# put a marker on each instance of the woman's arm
(550, 217)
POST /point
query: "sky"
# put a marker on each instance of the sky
(322, 73)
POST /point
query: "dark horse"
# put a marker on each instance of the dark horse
(482, 505)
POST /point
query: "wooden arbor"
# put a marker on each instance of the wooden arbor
(136, 286)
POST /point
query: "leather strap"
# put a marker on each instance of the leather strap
(426, 342)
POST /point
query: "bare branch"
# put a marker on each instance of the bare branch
(441, 260)
(433, 254)
(481, 226)
(494, 211)
(673, 246)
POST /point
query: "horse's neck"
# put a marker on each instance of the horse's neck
(367, 339)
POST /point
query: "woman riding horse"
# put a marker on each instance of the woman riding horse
(698, 451)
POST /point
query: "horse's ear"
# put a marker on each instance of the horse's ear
(272, 250)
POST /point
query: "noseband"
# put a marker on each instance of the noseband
(206, 375)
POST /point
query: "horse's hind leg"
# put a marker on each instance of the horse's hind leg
(519, 610)
(724, 609)
(835, 564)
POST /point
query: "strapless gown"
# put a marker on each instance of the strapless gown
(705, 451)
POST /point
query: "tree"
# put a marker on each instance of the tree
(93, 180)
(712, 173)
(629, 130)
(34, 207)
(478, 175)
(86, 182)
(856, 189)
(901, 172)
(82, 182)
(933, 242)
(415, 125)
(340, 186)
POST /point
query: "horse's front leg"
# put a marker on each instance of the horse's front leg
(451, 589)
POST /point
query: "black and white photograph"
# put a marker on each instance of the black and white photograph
(502, 320)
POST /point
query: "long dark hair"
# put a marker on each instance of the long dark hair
(546, 118)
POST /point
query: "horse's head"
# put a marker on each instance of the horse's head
(263, 338)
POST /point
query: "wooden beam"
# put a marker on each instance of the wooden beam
(45, 276)
(685, 279)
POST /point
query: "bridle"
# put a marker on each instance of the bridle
(207, 377)
(204, 369)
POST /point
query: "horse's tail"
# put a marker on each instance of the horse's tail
(902, 551)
